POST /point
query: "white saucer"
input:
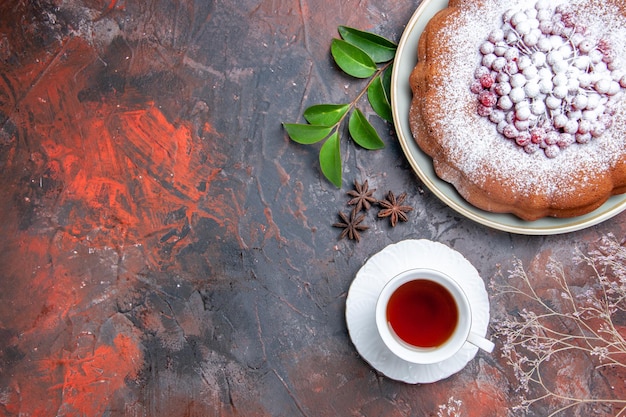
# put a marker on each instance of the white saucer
(369, 281)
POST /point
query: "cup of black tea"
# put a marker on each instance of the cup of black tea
(423, 316)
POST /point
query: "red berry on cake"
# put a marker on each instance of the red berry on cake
(502, 88)
(476, 87)
(487, 80)
(552, 151)
(496, 35)
(565, 140)
(505, 103)
(584, 126)
(583, 138)
(487, 48)
(488, 99)
(510, 131)
(523, 139)
(483, 110)
(597, 129)
(531, 148)
(552, 138)
(496, 116)
(537, 135)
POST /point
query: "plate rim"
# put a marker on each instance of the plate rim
(445, 191)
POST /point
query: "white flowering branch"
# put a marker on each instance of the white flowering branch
(451, 409)
(566, 321)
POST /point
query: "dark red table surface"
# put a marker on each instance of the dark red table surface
(168, 251)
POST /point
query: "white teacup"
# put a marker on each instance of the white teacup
(423, 316)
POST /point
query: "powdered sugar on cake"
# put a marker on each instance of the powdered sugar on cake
(541, 104)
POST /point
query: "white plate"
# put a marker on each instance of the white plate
(371, 278)
(406, 58)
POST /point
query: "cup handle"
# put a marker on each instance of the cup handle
(480, 342)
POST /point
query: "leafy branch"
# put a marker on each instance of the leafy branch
(362, 55)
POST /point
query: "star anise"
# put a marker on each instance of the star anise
(351, 226)
(393, 208)
(362, 196)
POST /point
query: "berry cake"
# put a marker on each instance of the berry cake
(521, 103)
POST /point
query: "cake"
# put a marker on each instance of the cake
(520, 104)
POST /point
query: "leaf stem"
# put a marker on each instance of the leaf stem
(358, 98)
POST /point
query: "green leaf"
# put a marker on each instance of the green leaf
(387, 80)
(325, 114)
(378, 48)
(352, 60)
(363, 132)
(306, 134)
(330, 159)
(378, 99)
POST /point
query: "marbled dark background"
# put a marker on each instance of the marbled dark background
(168, 251)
